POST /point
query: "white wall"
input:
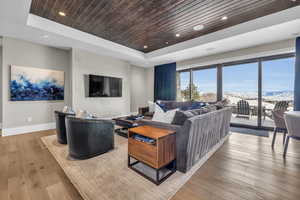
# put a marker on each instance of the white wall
(84, 63)
(142, 87)
(0, 83)
(150, 83)
(275, 48)
(16, 114)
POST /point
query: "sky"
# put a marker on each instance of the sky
(278, 75)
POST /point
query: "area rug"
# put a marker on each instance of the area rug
(107, 177)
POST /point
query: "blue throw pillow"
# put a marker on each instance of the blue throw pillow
(193, 106)
(197, 105)
(162, 106)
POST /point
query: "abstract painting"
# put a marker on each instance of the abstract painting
(35, 84)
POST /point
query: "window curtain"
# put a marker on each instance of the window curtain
(165, 82)
(297, 77)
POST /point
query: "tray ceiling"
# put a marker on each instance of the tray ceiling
(150, 25)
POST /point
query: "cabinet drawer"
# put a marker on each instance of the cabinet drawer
(143, 152)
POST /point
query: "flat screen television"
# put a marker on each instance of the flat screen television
(103, 86)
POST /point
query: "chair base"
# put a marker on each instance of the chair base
(275, 133)
(286, 145)
(60, 141)
(84, 157)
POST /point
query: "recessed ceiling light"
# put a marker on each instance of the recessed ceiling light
(167, 42)
(177, 35)
(45, 36)
(293, 0)
(198, 27)
(62, 13)
(145, 47)
(224, 18)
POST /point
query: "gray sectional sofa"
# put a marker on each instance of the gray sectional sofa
(198, 134)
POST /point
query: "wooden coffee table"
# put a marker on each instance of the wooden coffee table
(158, 155)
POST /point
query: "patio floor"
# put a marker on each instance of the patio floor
(252, 121)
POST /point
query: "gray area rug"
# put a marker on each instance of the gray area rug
(107, 176)
(262, 133)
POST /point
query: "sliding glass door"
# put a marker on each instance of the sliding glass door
(204, 85)
(254, 88)
(240, 89)
(277, 87)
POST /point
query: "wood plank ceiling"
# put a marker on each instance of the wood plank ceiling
(154, 23)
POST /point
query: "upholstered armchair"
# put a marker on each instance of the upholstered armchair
(89, 137)
(61, 126)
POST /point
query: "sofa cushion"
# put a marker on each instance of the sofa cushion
(181, 116)
(161, 116)
(211, 107)
(193, 105)
(170, 105)
(199, 111)
(151, 105)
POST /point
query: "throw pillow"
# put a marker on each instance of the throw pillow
(161, 116)
(68, 109)
(197, 105)
(151, 106)
(83, 114)
(181, 116)
(162, 106)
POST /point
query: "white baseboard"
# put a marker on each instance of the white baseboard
(27, 129)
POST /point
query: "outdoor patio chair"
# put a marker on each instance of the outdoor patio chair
(280, 105)
(278, 116)
(243, 109)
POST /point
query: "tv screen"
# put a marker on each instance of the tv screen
(103, 86)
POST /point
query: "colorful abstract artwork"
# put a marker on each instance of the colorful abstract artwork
(35, 84)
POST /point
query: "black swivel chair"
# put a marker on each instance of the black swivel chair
(61, 126)
(89, 137)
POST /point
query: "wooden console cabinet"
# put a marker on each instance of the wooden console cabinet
(157, 155)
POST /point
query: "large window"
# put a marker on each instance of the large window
(204, 86)
(183, 86)
(253, 88)
(240, 88)
(277, 86)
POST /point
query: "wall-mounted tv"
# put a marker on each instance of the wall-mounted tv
(102, 86)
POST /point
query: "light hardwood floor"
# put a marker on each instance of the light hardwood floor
(244, 168)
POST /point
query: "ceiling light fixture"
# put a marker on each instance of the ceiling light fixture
(145, 47)
(177, 35)
(62, 13)
(45, 36)
(167, 42)
(198, 27)
(224, 18)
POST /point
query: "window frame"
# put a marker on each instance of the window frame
(220, 66)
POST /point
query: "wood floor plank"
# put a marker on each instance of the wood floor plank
(57, 191)
(17, 188)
